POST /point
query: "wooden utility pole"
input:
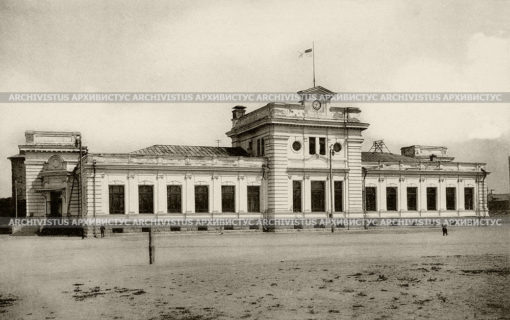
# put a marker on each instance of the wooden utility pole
(152, 247)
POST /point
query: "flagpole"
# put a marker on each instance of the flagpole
(313, 59)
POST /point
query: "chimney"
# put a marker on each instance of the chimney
(238, 112)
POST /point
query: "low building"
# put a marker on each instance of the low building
(287, 160)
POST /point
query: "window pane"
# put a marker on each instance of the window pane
(391, 198)
(145, 199)
(262, 147)
(322, 146)
(258, 147)
(201, 199)
(468, 198)
(174, 196)
(451, 198)
(311, 145)
(228, 199)
(339, 196)
(296, 196)
(318, 196)
(431, 199)
(116, 194)
(253, 199)
(412, 198)
(371, 199)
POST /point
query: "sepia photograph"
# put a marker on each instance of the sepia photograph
(291, 159)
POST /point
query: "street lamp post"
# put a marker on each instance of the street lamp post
(336, 147)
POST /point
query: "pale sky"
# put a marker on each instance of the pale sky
(237, 46)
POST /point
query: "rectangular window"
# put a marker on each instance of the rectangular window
(262, 147)
(468, 198)
(228, 198)
(145, 199)
(116, 199)
(318, 196)
(432, 198)
(371, 199)
(253, 199)
(311, 145)
(412, 198)
(296, 196)
(250, 147)
(201, 199)
(258, 147)
(339, 196)
(322, 146)
(391, 198)
(174, 196)
(451, 198)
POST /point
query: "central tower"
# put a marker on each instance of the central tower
(295, 139)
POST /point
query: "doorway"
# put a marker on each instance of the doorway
(55, 204)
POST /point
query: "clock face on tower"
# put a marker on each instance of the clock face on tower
(316, 105)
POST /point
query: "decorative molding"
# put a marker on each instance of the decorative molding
(160, 176)
(240, 177)
(188, 176)
(381, 179)
(401, 179)
(131, 176)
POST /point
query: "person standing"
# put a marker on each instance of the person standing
(445, 230)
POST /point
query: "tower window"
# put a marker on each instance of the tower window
(318, 196)
(339, 196)
(322, 146)
(311, 145)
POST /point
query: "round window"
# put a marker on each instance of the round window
(296, 145)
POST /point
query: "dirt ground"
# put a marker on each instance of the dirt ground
(376, 274)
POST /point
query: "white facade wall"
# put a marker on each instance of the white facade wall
(439, 181)
(107, 174)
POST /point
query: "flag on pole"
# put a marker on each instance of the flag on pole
(307, 52)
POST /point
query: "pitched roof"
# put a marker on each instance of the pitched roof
(386, 157)
(316, 90)
(193, 151)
